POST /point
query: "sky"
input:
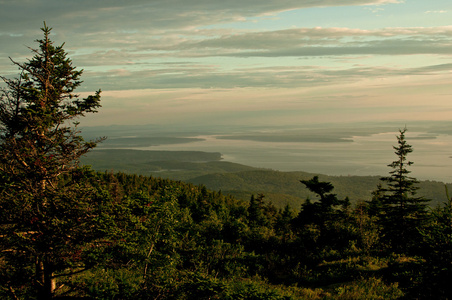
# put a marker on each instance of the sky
(247, 62)
(285, 63)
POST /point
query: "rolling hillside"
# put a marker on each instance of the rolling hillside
(207, 168)
(283, 188)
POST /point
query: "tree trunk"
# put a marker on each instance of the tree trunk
(46, 283)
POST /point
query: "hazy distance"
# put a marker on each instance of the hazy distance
(360, 149)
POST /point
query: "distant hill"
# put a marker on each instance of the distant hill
(177, 165)
(283, 188)
(241, 181)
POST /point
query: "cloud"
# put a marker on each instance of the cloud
(297, 42)
(116, 15)
(436, 11)
(186, 76)
(318, 37)
(253, 59)
(124, 33)
(127, 46)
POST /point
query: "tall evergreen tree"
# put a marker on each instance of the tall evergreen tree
(47, 207)
(401, 213)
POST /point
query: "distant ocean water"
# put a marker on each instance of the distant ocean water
(365, 155)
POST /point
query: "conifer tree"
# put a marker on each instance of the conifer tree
(256, 211)
(402, 213)
(47, 207)
(437, 252)
(327, 207)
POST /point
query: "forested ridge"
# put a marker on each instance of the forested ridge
(164, 239)
(68, 232)
(241, 181)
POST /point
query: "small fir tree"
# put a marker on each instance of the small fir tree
(256, 211)
(401, 212)
(327, 208)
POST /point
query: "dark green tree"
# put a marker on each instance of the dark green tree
(283, 222)
(327, 208)
(323, 224)
(323, 190)
(48, 210)
(401, 212)
(437, 252)
(256, 211)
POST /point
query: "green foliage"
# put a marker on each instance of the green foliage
(402, 214)
(121, 283)
(199, 286)
(48, 208)
(258, 212)
(372, 289)
(437, 252)
(171, 240)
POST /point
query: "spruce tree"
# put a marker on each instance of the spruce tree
(327, 208)
(401, 212)
(256, 211)
(48, 210)
(437, 252)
